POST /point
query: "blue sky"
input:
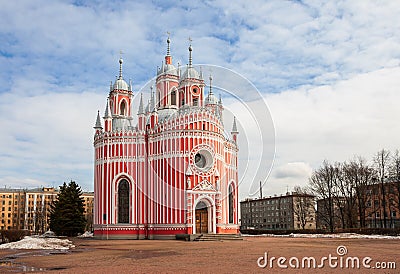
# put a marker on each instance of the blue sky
(329, 73)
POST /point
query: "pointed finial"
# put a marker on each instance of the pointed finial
(211, 93)
(111, 86)
(120, 68)
(234, 127)
(141, 110)
(190, 52)
(201, 72)
(107, 111)
(168, 46)
(220, 99)
(152, 101)
(98, 123)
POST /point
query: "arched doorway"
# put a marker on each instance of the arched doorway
(201, 218)
(123, 202)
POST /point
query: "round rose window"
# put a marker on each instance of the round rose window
(203, 160)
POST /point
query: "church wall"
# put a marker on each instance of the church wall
(157, 160)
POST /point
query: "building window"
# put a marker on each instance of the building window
(173, 98)
(393, 213)
(122, 108)
(123, 202)
(230, 204)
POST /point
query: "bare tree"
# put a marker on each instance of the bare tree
(381, 161)
(345, 184)
(395, 174)
(322, 184)
(352, 186)
(303, 206)
(362, 181)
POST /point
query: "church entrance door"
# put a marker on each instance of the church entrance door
(201, 218)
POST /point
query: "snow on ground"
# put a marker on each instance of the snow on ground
(338, 235)
(87, 234)
(39, 243)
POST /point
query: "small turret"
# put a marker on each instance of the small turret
(141, 114)
(141, 109)
(234, 131)
(107, 117)
(98, 126)
(211, 99)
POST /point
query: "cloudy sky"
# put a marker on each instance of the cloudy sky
(329, 74)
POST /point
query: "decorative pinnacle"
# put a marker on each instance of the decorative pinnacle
(152, 101)
(120, 64)
(234, 127)
(141, 110)
(107, 111)
(211, 93)
(168, 46)
(190, 52)
(98, 123)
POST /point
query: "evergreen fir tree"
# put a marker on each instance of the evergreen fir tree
(66, 216)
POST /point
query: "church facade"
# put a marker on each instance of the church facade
(174, 171)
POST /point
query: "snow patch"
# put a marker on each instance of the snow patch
(39, 243)
(87, 234)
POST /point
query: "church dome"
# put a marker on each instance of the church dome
(121, 84)
(190, 72)
(211, 99)
(168, 69)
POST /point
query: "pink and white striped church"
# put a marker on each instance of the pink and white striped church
(174, 171)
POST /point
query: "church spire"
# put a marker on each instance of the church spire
(234, 131)
(98, 123)
(168, 57)
(120, 68)
(141, 110)
(152, 100)
(234, 126)
(107, 112)
(211, 92)
(168, 48)
(190, 52)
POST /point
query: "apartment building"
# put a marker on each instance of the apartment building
(285, 212)
(30, 208)
(382, 208)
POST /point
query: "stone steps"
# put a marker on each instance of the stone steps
(217, 237)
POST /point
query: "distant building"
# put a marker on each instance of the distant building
(381, 213)
(285, 212)
(328, 211)
(30, 208)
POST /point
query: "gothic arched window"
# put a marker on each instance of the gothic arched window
(122, 108)
(230, 198)
(173, 98)
(123, 202)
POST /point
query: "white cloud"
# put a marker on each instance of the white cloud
(358, 116)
